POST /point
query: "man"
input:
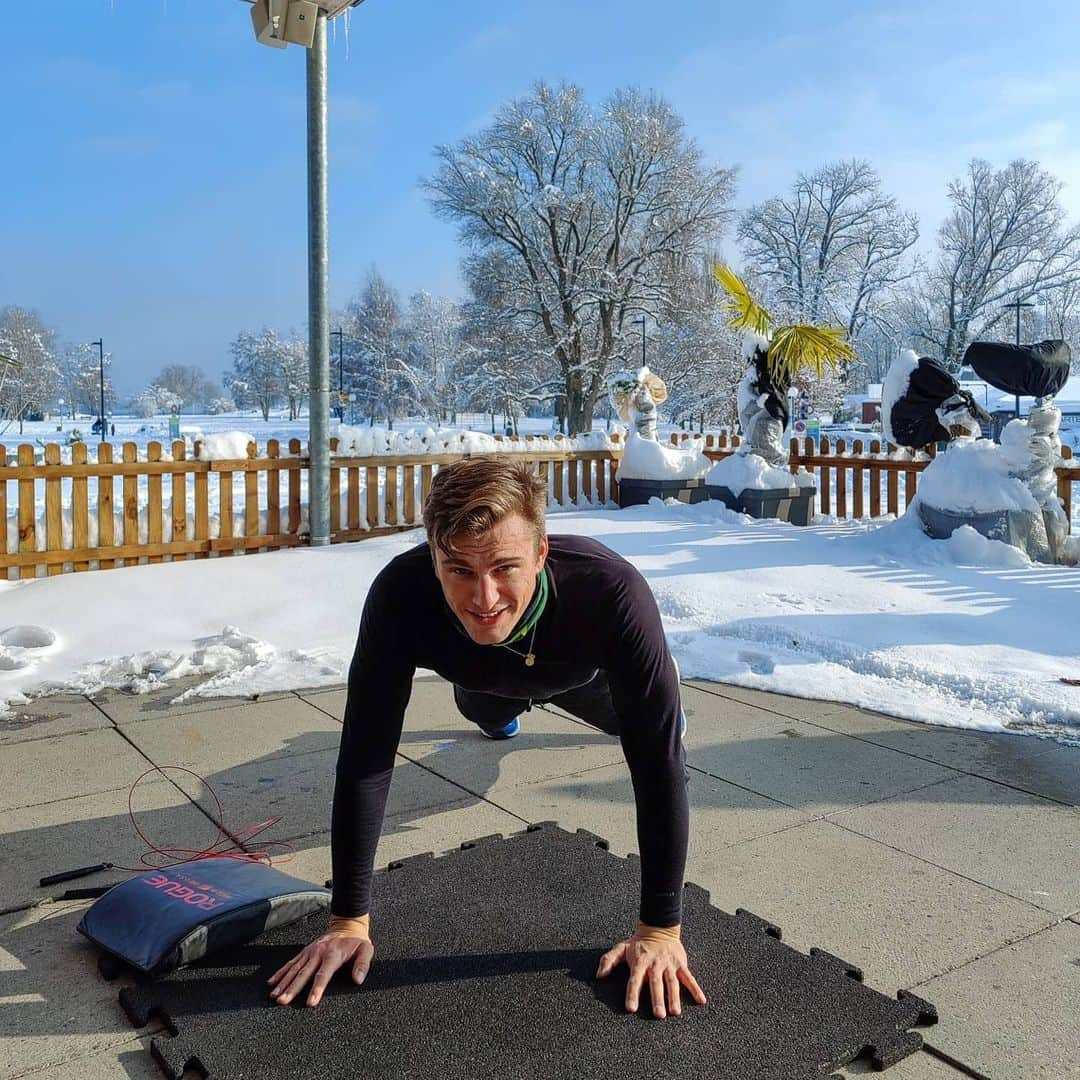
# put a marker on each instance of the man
(512, 618)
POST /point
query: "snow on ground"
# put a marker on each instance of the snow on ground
(964, 633)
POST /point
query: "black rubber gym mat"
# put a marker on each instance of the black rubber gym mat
(484, 967)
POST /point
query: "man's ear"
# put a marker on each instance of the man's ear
(542, 552)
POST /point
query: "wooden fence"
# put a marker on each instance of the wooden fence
(108, 513)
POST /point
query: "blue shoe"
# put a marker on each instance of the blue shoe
(507, 732)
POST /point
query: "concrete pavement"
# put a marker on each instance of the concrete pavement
(945, 862)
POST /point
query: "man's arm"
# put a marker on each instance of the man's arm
(380, 682)
(645, 691)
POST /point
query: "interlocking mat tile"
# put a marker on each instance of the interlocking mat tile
(484, 968)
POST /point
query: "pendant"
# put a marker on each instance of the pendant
(530, 660)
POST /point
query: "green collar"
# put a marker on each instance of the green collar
(534, 610)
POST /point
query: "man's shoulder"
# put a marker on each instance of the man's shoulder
(588, 559)
(411, 569)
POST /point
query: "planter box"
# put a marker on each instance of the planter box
(1038, 534)
(792, 504)
(633, 492)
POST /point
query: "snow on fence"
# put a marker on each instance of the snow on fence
(65, 514)
(851, 482)
(72, 516)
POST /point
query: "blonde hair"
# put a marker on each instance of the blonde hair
(473, 495)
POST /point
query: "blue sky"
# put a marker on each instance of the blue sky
(155, 173)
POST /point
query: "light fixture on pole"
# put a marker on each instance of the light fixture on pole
(279, 23)
(1018, 304)
(101, 375)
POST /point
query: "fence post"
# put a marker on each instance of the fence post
(80, 506)
(27, 522)
(54, 521)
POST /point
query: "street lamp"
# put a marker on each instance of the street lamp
(101, 374)
(1018, 304)
(635, 323)
(340, 335)
(303, 22)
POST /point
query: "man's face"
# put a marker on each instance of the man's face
(489, 580)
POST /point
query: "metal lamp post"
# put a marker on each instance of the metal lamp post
(1018, 304)
(278, 23)
(101, 374)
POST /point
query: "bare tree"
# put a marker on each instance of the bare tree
(833, 248)
(589, 207)
(187, 383)
(1005, 239)
(256, 378)
(433, 328)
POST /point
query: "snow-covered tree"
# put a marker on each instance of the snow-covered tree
(500, 364)
(256, 379)
(187, 383)
(295, 373)
(433, 329)
(1005, 239)
(589, 208)
(379, 370)
(833, 249)
(28, 374)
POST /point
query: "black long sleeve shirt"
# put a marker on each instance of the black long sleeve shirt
(600, 614)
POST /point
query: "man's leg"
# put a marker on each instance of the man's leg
(593, 704)
(491, 713)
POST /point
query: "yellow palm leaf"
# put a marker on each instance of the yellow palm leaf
(746, 313)
(795, 348)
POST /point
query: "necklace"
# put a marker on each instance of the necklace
(529, 656)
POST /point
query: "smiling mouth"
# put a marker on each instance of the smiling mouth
(488, 617)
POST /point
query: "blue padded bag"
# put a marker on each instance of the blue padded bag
(167, 918)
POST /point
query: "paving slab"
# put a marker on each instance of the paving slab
(300, 789)
(125, 1061)
(331, 701)
(602, 801)
(1015, 1012)
(127, 707)
(438, 829)
(897, 917)
(209, 742)
(59, 714)
(549, 745)
(1001, 837)
(800, 764)
(56, 1007)
(1037, 765)
(44, 770)
(795, 707)
(49, 838)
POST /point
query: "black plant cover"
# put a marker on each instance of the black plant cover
(914, 417)
(776, 404)
(1038, 370)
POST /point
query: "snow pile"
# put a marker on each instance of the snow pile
(377, 441)
(972, 476)
(970, 548)
(646, 459)
(897, 381)
(225, 446)
(962, 632)
(742, 470)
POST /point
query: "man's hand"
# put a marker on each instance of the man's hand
(347, 939)
(654, 953)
